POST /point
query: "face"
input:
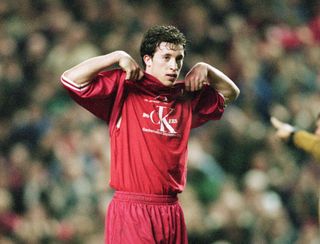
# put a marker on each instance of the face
(166, 63)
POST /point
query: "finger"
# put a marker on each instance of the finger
(128, 75)
(281, 135)
(187, 84)
(140, 75)
(197, 85)
(137, 73)
(192, 84)
(275, 122)
(134, 75)
(200, 85)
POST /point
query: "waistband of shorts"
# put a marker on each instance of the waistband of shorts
(145, 198)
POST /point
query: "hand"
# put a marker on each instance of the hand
(283, 130)
(197, 77)
(130, 66)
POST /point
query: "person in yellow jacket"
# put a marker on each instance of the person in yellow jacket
(306, 141)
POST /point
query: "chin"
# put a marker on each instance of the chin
(167, 82)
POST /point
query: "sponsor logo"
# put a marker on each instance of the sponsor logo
(160, 116)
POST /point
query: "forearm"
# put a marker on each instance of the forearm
(223, 84)
(89, 68)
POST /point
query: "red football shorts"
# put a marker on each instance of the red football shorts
(144, 218)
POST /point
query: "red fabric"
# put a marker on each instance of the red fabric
(149, 149)
(99, 96)
(141, 218)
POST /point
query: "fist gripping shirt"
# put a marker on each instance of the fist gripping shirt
(149, 127)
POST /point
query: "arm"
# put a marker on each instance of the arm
(99, 97)
(308, 142)
(284, 130)
(304, 140)
(87, 70)
(203, 73)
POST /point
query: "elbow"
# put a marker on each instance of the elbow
(67, 75)
(75, 77)
(231, 95)
(236, 93)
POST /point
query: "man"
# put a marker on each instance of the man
(150, 115)
(301, 139)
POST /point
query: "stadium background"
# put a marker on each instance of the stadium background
(244, 186)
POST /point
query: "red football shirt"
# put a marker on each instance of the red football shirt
(149, 127)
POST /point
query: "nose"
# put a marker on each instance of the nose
(174, 65)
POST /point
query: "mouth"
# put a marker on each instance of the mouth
(172, 77)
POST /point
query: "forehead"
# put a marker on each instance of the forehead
(166, 47)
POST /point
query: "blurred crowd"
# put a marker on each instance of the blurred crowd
(244, 185)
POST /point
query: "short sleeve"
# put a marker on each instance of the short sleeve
(207, 105)
(307, 142)
(98, 95)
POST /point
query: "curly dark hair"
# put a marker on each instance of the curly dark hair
(157, 34)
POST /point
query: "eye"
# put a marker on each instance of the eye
(166, 57)
(179, 58)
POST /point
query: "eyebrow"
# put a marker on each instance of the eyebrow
(181, 56)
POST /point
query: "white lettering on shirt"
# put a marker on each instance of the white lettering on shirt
(160, 117)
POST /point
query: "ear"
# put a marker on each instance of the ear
(147, 60)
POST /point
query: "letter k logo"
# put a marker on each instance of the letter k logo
(162, 119)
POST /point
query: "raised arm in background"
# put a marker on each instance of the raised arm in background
(301, 139)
